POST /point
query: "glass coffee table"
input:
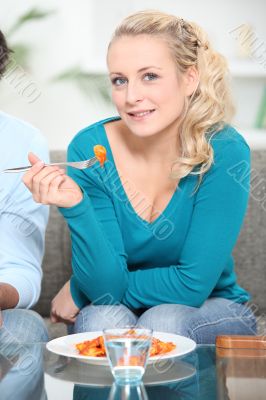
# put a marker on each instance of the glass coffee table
(30, 371)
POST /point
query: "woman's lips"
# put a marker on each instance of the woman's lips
(141, 116)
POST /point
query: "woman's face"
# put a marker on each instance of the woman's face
(144, 78)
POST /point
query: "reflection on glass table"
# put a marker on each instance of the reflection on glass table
(169, 379)
(30, 371)
(128, 392)
(21, 371)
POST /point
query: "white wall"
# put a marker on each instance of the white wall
(78, 34)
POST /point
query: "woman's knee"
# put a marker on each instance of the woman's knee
(171, 318)
(220, 316)
(99, 317)
(216, 316)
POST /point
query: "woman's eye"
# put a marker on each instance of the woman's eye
(151, 75)
(115, 80)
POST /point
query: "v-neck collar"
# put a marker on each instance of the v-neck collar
(172, 202)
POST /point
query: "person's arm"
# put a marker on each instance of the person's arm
(218, 214)
(63, 307)
(99, 261)
(22, 229)
(9, 296)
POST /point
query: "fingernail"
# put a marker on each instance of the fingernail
(39, 164)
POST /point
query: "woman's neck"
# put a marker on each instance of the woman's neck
(161, 148)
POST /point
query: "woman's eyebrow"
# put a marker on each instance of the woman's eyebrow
(140, 70)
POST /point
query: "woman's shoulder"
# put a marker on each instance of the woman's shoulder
(93, 133)
(227, 136)
(230, 149)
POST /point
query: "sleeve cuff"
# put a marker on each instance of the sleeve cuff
(28, 295)
(78, 209)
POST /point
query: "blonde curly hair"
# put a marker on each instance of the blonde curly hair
(210, 106)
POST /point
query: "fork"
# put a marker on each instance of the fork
(74, 164)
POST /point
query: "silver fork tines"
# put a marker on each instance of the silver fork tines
(75, 164)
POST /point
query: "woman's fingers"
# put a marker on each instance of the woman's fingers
(55, 185)
(38, 181)
(37, 166)
(49, 186)
(33, 159)
(55, 317)
(28, 176)
(63, 308)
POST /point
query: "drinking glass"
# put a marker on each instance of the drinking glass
(127, 352)
(128, 392)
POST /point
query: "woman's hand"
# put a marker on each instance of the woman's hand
(63, 308)
(50, 185)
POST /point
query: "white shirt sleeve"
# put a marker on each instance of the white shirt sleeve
(22, 229)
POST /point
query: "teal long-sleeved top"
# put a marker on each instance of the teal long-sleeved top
(183, 256)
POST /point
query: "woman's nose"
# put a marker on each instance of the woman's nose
(134, 93)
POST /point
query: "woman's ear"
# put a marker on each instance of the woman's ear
(191, 80)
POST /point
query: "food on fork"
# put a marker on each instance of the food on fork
(100, 153)
(96, 348)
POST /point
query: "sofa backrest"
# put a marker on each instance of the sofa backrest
(249, 252)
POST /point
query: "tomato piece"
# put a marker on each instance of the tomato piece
(100, 153)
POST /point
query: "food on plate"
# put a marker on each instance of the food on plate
(95, 347)
(100, 153)
(159, 347)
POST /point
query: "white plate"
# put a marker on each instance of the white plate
(65, 346)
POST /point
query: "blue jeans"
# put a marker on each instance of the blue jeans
(24, 326)
(21, 360)
(217, 316)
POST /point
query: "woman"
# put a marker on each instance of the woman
(153, 231)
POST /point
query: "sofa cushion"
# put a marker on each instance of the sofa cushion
(250, 250)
